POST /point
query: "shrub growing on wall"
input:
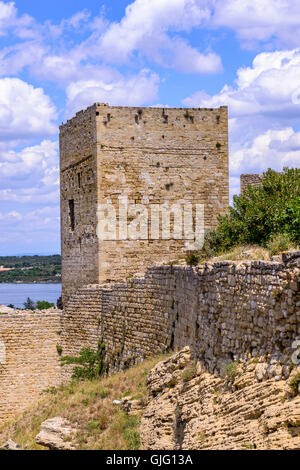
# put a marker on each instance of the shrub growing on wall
(260, 213)
(90, 364)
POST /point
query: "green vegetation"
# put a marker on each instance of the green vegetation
(266, 216)
(31, 268)
(295, 382)
(192, 259)
(43, 305)
(89, 406)
(127, 427)
(248, 445)
(39, 305)
(29, 304)
(91, 363)
(232, 370)
(281, 242)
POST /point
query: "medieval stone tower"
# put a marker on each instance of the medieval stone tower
(111, 155)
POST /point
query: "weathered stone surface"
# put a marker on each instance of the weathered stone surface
(170, 307)
(250, 180)
(132, 406)
(208, 412)
(4, 309)
(56, 434)
(222, 310)
(149, 155)
(28, 358)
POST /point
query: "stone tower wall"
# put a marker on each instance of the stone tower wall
(78, 183)
(153, 156)
(149, 156)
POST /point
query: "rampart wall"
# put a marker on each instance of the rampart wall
(28, 358)
(224, 311)
(221, 310)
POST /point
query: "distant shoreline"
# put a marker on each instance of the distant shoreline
(30, 269)
(30, 282)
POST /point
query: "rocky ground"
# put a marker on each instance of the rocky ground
(252, 405)
(191, 409)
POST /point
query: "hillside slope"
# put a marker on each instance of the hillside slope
(172, 403)
(89, 407)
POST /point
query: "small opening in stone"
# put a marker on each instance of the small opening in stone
(72, 214)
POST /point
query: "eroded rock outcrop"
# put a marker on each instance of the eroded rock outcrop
(56, 434)
(242, 409)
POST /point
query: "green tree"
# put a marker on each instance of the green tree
(260, 213)
(29, 304)
(43, 305)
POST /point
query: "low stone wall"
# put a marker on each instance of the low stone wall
(221, 310)
(28, 358)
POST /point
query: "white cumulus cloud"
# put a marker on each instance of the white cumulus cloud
(30, 175)
(271, 21)
(132, 91)
(264, 109)
(23, 232)
(151, 28)
(271, 87)
(25, 112)
(273, 149)
(8, 14)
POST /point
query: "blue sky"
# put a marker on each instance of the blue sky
(61, 56)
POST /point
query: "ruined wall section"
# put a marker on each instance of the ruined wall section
(78, 201)
(28, 358)
(250, 180)
(222, 310)
(156, 156)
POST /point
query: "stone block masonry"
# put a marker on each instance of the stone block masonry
(221, 310)
(250, 180)
(149, 156)
(28, 358)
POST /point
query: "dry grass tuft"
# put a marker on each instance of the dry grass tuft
(244, 252)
